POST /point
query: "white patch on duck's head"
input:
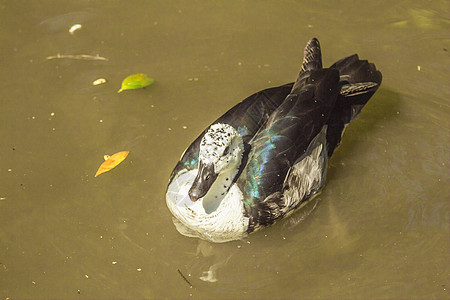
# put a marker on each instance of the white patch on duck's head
(222, 146)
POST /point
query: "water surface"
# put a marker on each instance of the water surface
(379, 229)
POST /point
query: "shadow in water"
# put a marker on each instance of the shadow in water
(383, 107)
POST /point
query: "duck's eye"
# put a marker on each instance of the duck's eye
(207, 177)
(227, 149)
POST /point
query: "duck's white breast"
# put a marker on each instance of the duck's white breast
(224, 224)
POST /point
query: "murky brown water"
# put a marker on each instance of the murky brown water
(381, 225)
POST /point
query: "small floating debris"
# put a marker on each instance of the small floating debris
(77, 56)
(99, 81)
(184, 278)
(74, 28)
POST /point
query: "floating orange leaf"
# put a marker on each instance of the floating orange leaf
(111, 162)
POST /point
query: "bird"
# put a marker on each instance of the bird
(268, 155)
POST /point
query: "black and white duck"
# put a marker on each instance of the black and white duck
(268, 155)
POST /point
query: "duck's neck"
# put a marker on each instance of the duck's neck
(220, 187)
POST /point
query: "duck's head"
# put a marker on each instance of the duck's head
(220, 155)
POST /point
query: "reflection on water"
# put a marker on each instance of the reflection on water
(65, 21)
(379, 229)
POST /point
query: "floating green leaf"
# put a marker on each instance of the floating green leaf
(136, 81)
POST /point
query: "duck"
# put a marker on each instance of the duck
(268, 155)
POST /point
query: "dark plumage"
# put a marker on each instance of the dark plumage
(283, 127)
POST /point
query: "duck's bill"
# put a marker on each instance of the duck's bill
(203, 181)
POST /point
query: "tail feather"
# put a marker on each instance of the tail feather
(359, 81)
(354, 89)
(312, 56)
(355, 70)
(312, 60)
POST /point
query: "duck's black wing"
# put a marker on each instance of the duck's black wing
(286, 136)
(247, 117)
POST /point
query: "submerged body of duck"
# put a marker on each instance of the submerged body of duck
(268, 154)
